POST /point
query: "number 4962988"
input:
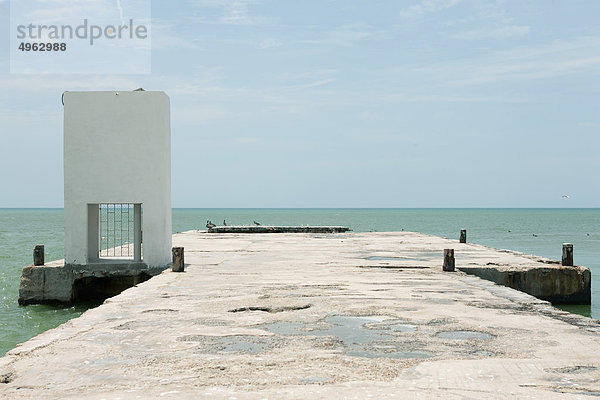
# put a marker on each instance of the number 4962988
(42, 46)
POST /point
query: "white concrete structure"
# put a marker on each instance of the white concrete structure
(117, 150)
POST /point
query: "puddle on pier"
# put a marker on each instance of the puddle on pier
(368, 337)
(371, 337)
(314, 379)
(464, 335)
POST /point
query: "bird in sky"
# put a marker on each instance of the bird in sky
(566, 196)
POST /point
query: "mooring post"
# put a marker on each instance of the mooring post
(38, 255)
(567, 254)
(448, 260)
(463, 236)
(178, 264)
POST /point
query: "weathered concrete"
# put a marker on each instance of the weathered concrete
(295, 316)
(278, 229)
(554, 283)
(56, 282)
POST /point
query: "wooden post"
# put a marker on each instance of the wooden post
(178, 262)
(463, 236)
(38, 255)
(567, 254)
(448, 260)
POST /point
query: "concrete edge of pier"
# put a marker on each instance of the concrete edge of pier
(57, 282)
(554, 283)
(545, 279)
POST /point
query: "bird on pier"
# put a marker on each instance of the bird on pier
(256, 223)
(224, 223)
(210, 224)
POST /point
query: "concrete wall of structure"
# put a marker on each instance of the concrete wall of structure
(117, 149)
(556, 284)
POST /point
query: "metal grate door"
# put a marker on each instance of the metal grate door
(116, 230)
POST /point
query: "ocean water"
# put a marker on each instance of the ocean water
(22, 229)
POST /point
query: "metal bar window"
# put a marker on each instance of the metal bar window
(116, 230)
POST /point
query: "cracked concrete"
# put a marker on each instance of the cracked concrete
(351, 315)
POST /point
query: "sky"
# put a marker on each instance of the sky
(345, 103)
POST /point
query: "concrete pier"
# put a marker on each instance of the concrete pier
(297, 316)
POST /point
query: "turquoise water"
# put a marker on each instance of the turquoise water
(21, 230)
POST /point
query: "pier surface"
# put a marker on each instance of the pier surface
(295, 316)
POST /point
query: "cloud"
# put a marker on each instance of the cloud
(589, 125)
(368, 115)
(37, 116)
(486, 20)
(69, 12)
(307, 79)
(36, 84)
(524, 63)
(502, 32)
(269, 43)
(200, 114)
(165, 36)
(476, 21)
(427, 7)
(230, 12)
(315, 84)
(345, 35)
(238, 14)
(444, 98)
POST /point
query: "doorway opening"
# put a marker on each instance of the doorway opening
(115, 231)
